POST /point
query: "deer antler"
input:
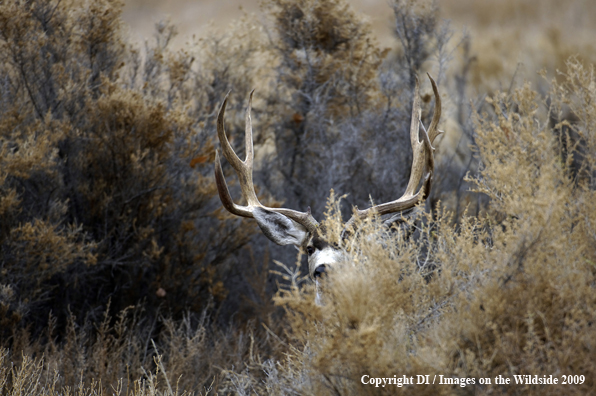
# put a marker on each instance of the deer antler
(244, 171)
(422, 158)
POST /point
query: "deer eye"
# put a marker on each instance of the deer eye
(310, 250)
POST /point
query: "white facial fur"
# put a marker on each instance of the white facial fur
(284, 231)
(327, 256)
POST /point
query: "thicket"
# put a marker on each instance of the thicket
(122, 273)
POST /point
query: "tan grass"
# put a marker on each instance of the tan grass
(118, 264)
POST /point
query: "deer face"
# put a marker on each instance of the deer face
(290, 227)
(284, 231)
(321, 256)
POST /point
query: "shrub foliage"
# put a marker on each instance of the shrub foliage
(120, 271)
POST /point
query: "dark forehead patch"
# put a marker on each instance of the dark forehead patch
(319, 243)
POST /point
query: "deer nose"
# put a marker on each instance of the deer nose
(320, 270)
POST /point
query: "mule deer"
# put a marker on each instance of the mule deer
(290, 227)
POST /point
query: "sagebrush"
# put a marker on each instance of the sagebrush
(122, 273)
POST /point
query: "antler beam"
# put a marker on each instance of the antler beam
(422, 158)
(244, 170)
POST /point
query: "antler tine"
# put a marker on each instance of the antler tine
(224, 193)
(422, 157)
(244, 171)
(250, 155)
(243, 168)
(228, 152)
(433, 132)
(417, 146)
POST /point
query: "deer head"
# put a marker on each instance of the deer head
(290, 227)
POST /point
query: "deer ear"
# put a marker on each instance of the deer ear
(279, 228)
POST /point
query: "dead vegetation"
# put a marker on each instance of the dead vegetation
(121, 273)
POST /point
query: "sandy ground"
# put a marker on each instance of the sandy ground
(507, 35)
(193, 17)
